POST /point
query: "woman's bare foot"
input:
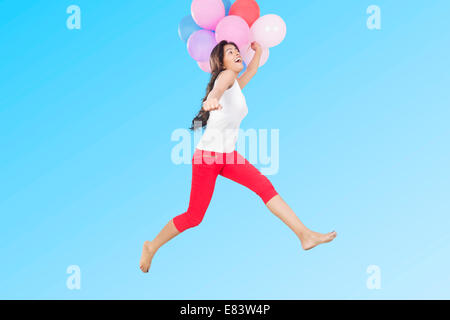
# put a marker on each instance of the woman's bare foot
(148, 252)
(314, 238)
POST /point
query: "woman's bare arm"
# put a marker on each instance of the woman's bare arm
(224, 81)
(252, 67)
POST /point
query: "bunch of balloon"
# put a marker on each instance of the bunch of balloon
(212, 21)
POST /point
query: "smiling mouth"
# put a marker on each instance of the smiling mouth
(238, 60)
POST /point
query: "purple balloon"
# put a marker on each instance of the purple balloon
(200, 44)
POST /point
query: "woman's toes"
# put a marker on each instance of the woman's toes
(332, 235)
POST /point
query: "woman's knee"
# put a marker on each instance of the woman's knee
(266, 190)
(187, 220)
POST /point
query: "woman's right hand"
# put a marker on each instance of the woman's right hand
(211, 104)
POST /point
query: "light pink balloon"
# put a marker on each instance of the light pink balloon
(248, 56)
(204, 65)
(269, 30)
(207, 13)
(235, 29)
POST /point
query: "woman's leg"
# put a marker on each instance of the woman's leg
(202, 188)
(244, 173)
(308, 238)
(150, 247)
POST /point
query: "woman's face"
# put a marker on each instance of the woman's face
(232, 59)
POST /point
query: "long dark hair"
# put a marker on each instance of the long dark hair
(216, 64)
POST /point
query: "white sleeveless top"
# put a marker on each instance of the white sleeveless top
(223, 125)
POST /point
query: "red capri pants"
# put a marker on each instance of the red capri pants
(206, 166)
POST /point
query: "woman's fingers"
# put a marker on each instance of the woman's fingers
(216, 107)
(212, 104)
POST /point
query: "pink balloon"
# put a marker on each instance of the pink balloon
(248, 56)
(235, 29)
(207, 13)
(269, 30)
(204, 65)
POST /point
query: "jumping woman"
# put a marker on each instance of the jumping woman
(223, 109)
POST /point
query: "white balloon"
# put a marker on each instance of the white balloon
(269, 30)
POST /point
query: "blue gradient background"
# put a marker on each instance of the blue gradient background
(86, 118)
